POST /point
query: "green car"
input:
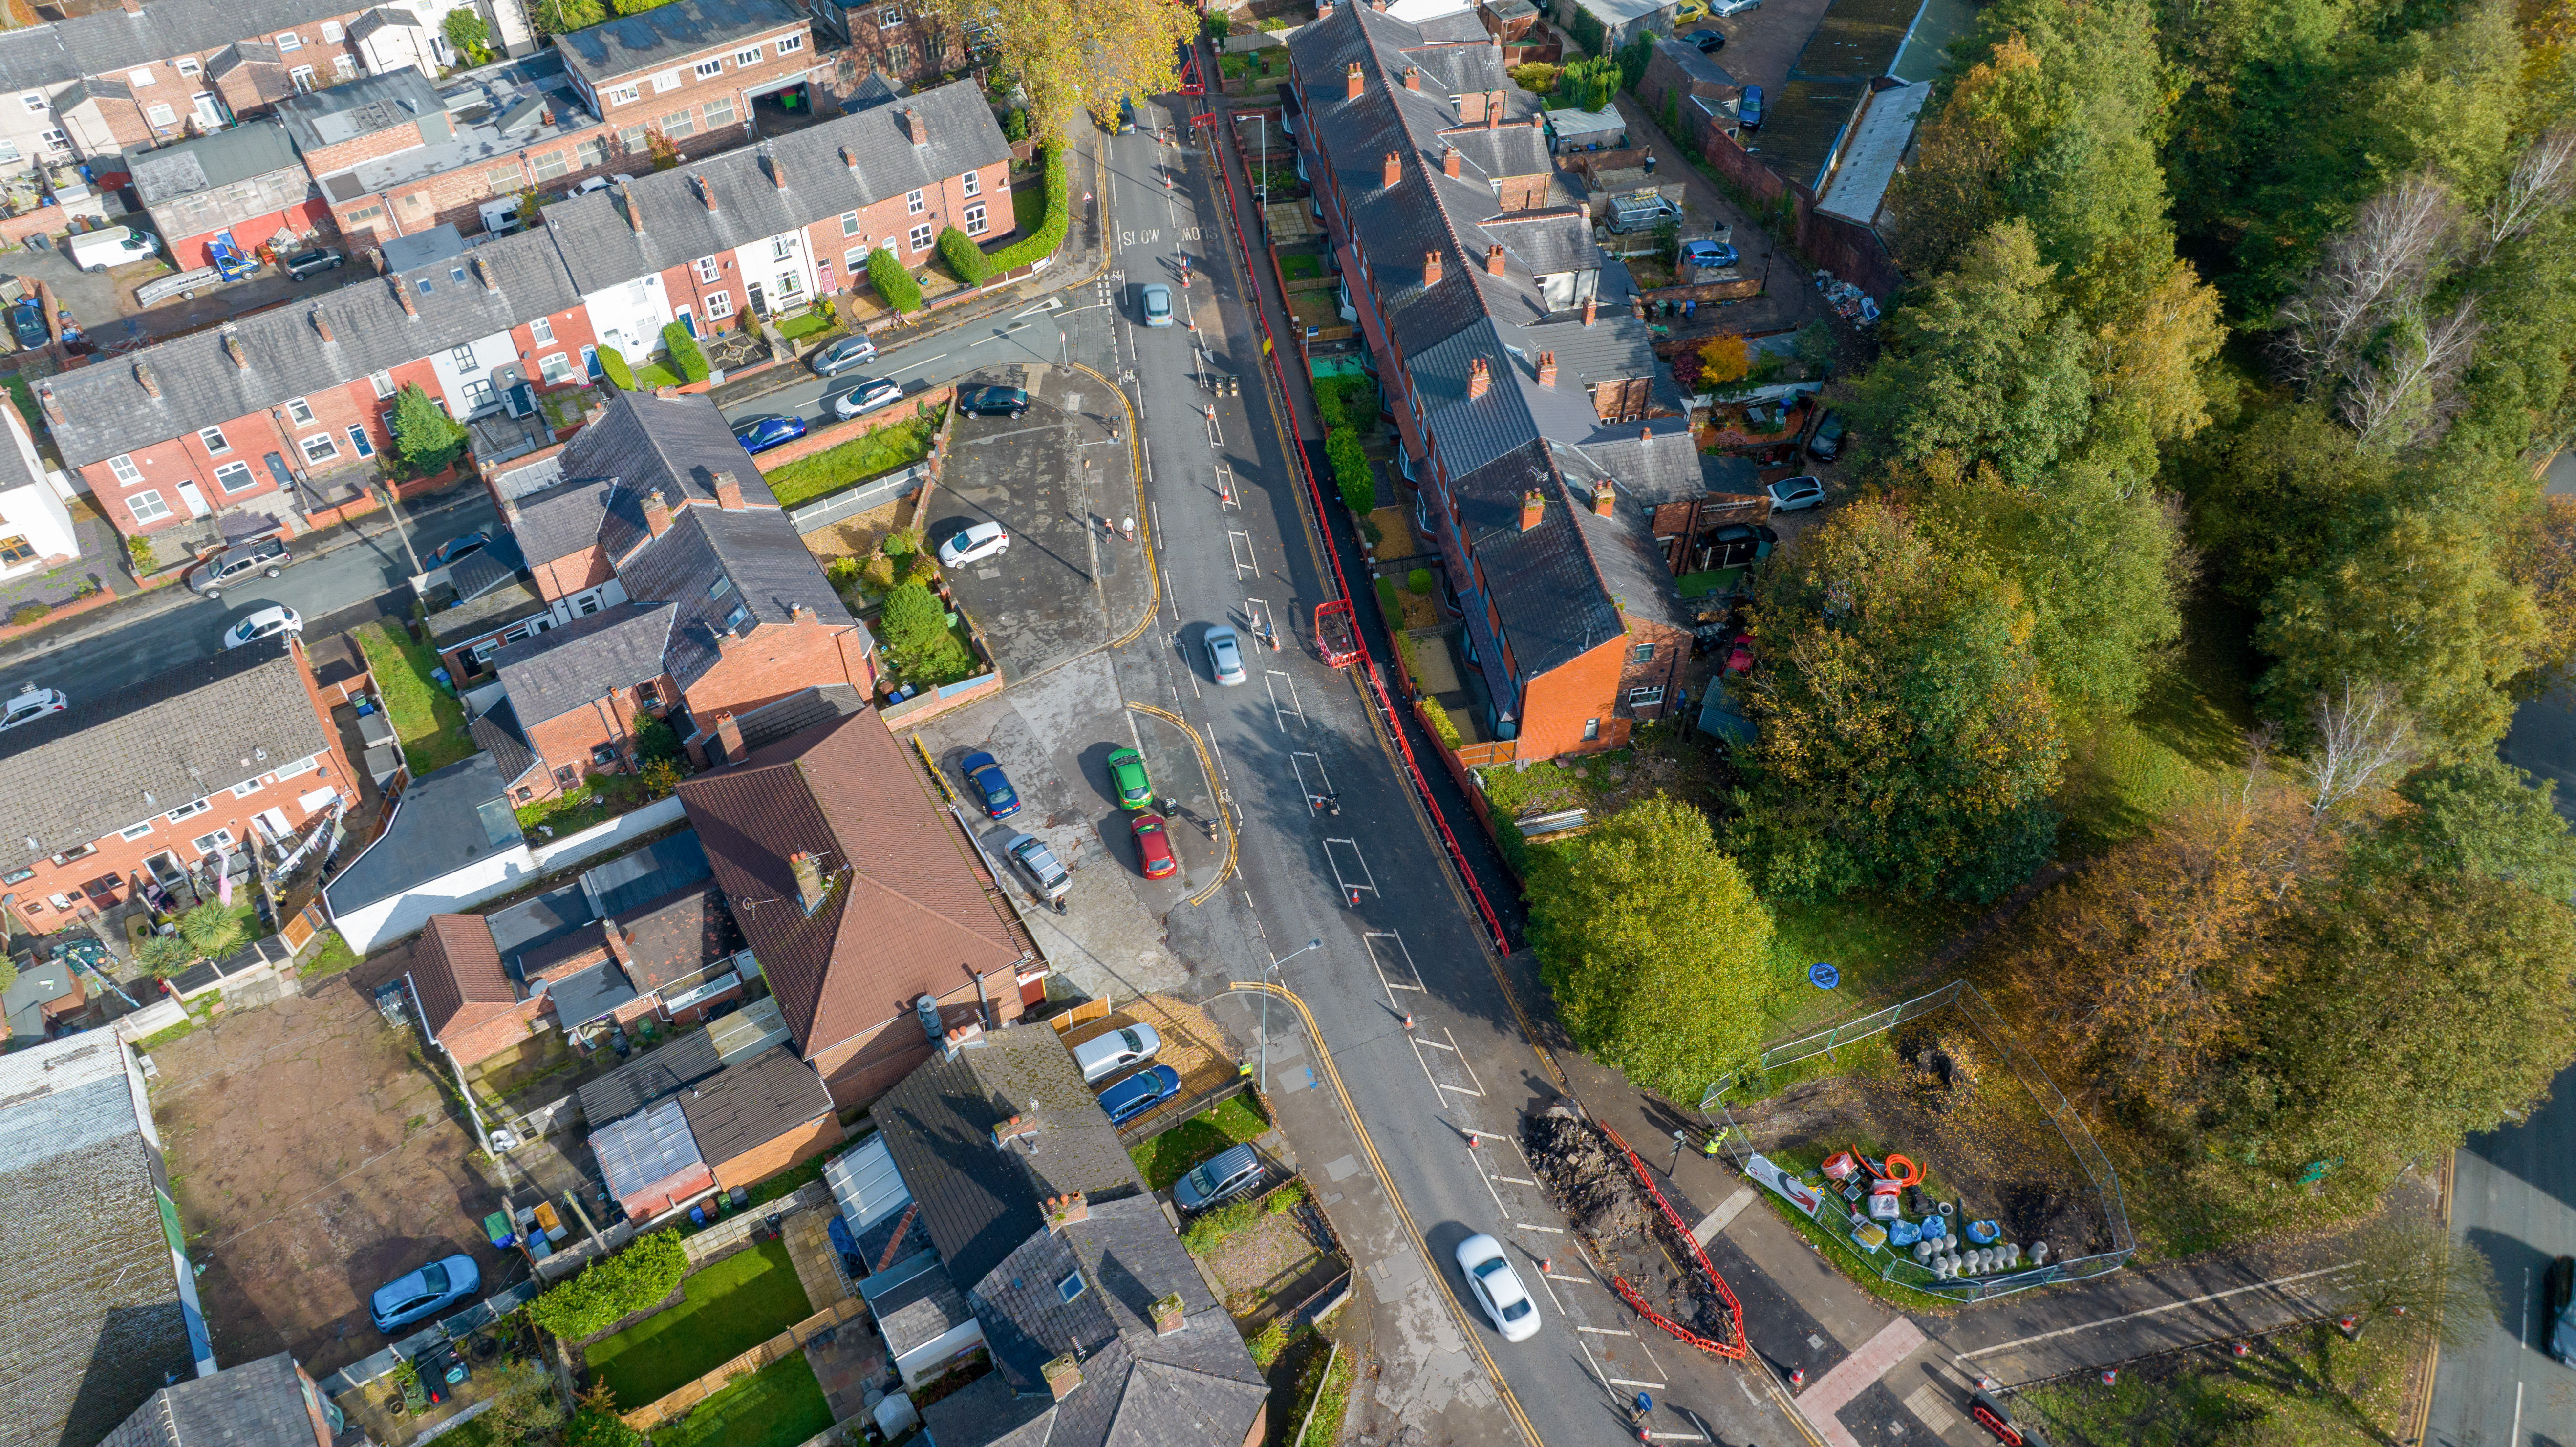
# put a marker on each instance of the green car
(1127, 778)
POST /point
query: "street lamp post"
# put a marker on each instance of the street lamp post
(1261, 183)
(1263, 1083)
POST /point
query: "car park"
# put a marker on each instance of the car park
(1792, 494)
(868, 396)
(1222, 1177)
(1826, 442)
(266, 557)
(266, 623)
(984, 772)
(1497, 1287)
(1225, 655)
(313, 263)
(1156, 303)
(1127, 779)
(1706, 40)
(992, 401)
(975, 544)
(1153, 846)
(1105, 1055)
(456, 550)
(423, 1293)
(1038, 865)
(1707, 254)
(834, 358)
(759, 434)
(1140, 1093)
(1748, 111)
(32, 705)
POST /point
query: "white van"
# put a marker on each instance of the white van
(111, 246)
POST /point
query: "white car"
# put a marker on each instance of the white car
(1115, 1051)
(870, 394)
(1158, 305)
(267, 622)
(601, 183)
(32, 705)
(1497, 1287)
(1723, 8)
(983, 540)
(1225, 655)
(1790, 494)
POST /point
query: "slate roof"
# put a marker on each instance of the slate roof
(444, 822)
(752, 1102)
(100, 1316)
(674, 444)
(456, 971)
(641, 876)
(758, 557)
(677, 936)
(669, 34)
(255, 1404)
(497, 733)
(591, 994)
(561, 520)
(116, 759)
(1809, 113)
(571, 666)
(109, 40)
(919, 1309)
(661, 1071)
(206, 162)
(797, 712)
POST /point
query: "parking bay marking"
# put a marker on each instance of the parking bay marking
(1292, 709)
(1312, 792)
(1402, 975)
(1238, 547)
(1351, 887)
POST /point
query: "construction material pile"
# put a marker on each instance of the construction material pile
(1629, 1232)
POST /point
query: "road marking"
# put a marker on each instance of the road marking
(2155, 1310)
(1311, 791)
(1716, 1221)
(1534, 1226)
(1462, 1059)
(1219, 750)
(1675, 1437)
(1605, 1331)
(1292, 709)
(1561, 1276)
(1436, 1045)
(1238, 548)
(2516, 1437)
(1515, 1180)
(1351, 887)
(1631, 1382)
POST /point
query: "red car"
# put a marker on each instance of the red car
(1154, 847)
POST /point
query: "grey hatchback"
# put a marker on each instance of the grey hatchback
(1225, 1176)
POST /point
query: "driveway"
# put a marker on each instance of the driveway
(1040, 603)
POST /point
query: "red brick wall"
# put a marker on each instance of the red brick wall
(776, 660)
(915, 51)
(860, 1069)
(568, 739)
(649, 106)
(323, 160)
(478, 1042)
(942, 206)
(770, 1157)
(190, 251)
(1555, 704)
(570, 332)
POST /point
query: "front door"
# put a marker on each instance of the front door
(195, 499)
(759, 304)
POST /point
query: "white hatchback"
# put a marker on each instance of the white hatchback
(266, 623)
(1115, 1051)
(32, 705)
(983, 540)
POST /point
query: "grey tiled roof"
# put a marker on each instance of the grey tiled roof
(251, 1405)
(1694, 63)
(445, 821)
(496, 731)
(919, 1310)
(757, 550)
(752, 1102)
(798, 712)
(664, 1070)
(361, 107)
(201, 164)
(590, 994)
(114, 40)
(571, 666)
(120, 758)
(563, 519)
(668, 34)
(674, 444)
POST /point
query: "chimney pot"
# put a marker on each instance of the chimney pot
(1494, 110)
(1591, 307)
(1533, 506)
(1394, 168)
(1169, 1316)
(729, 738)
(808, 872)
(705, 195)
(1413, 78)
(1494, 259)
(1351, 81)
(54, 409)
(1063, 1376)
(657, 513)
(1479, 377)
(1604, 499)
(728, 492)
(233, 349)
(322, 325)
(402, 293)
(1431, 268)
(1449, 162)
(1547, 369)
(142, 374)
(1063, 1211)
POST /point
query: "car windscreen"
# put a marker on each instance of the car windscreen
(1134, 1041)
(433, 1280)
(1488, 1268)
(1517, 1310)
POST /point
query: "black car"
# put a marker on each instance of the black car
(1828, 439)
(457, 550)
(2562, 1311)
(267, 557)
(993, 401)
(1706, 40)
(1739, 544)
(312, 263)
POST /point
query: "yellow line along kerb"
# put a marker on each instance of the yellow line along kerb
(1207, 765)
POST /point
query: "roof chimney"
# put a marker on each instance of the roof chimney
(1394, 171)
(133, 7)
(1479, 377)
(849, 158)
(1063, 1376)
(777, 171)
(1547, 369)
(1493, 110)
(1591, 305)
(728, 492)
(1449, 162)
(657, 513)
(1431, 268)
(1351, 81)
(620, 948)
(1413, 78)
(915, 127)
(142, 374)
(54, 409)
(483, 274)
(705, 195)
(402, 294)
(322, 325)
(233, 349)
(1604, 499)
(1169, 1315)
(729, 738)
(799, 613)
(1494, 258)
(1011, 1130)
(809, 880)
(634, 218)
(1533, 503)
(1063, 1211)
(970, 1033)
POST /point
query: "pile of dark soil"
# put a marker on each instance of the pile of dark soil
(1627, 1233)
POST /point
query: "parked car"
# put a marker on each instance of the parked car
(456, 550)
(1748, 111)
(1706, 40)
(1791, 494)
(759, 434)
(1038, 865)
(32, 705)
(1632, 214)
(1738, 544)
(1223, 1177)
(262, 624)
(426, 1292)
(1497, 1287)
(1707, 253)
(1827, 442)
(983, 771)
(983, 540)
(1225, 654)
(313, 263)
(1721, 9)
(1127, 779)
(111, 246)
(1153, 847)
(27, 319)
(2562, 1309)
(993, 401)
(601, 183)
(1140, 1093)
(838, 357)
(868, 396)
(1108, 1054)
(267, 557)
(1156, 303)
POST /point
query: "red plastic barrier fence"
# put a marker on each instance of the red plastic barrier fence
(1734, 1309)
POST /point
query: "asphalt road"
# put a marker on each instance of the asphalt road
(1036, 333)
(2514, 1199)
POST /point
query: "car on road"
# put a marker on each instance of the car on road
(1153, 846)
(1156, 303)
(1791, 494)
(1225, 654)
(265, 623)
(1748, 111)
(313, 263)
(1038, 865)
(426, 1292)
(1707, 253)
(982, 770)
(2562, 1311)
(601, 183)
(1108, 1054)
(1140, 1093)
(868, 396)
(1226, 1175)
(1706, 40)
(1127, 779)
(761, 433)
(267, 557)
(32, 705)
(1498, 1287)
(1826, 443)
(27, 319)
(983, 540)
(456, 550)
(993, 401)
(841, 356)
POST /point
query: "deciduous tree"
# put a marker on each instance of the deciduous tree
(2480, 817)
(1077, 55)
(2412, 1280)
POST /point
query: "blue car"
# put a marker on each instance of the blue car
(424, 1293)
(1748, 111)
(983, 771)
(1140, 1093)
(759, 434)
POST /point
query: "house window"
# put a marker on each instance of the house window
(122, 464)
(589, 152)
(542, 331)
(622, 95)
(422, 282)
(290, 41)
(855, 261)
(1645, 697)
(648, 693)
(790, 44)
(719, 305)
(343, 68)
(898, 58)
(710, 69)
(365, 214)
(319, 448)
(913, 203)
(56, 140)
(921, 237)
(551, 164)
(160, 116)
(742, 58)
(706, 268)
(679, 123)
(187, 811)
(721, 586)
(246, 788)
(331, 31)
(973, 182)
(849, 223)
(301, 411)
(147, 505)
(462, 357)
(142, 76)
(556, 367)
(383, 382)
(209, 843)
(139, 831)
(1070, 1287)
(720, 113)
(974, 220)
(889, 18)
(1642, 653)
(14, 551)
(479, 394)
(1591, 729)
(735, 619)
(667, 81)
(302, 75)
(234, 477)
(187, 65)
(359, 442)
(213, 437)
(35, 103)
(781, 247)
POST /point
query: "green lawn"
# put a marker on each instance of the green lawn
(580, 810)
(796, 328)
(897, 444)
(2187, 734)
(654, 374)
(331, 954)
(1301, 268)
(1166, 1157)
(1873, 942)
(731, 1307)
(429, 720)
(780, 1405)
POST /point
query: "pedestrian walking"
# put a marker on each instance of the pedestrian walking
(1650, 163)
(1708, 1148)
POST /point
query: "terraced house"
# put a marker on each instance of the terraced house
(1534, 417)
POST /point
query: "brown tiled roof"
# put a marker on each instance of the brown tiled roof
(456, 969)
(903, 909)
(677, 935)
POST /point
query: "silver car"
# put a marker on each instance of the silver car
(1225, 655)
(1158, 305)
(1038, 865)
(1790, 494)
(1115, 1051)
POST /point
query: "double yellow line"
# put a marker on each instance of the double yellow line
(1216, 785)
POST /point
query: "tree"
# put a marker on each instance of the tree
(614, 1287)
(563, 17)
(1723, 359)
(211, 929)
(466, 30)
(1815, 347)
(687, 358)
(895, 286)
(1588, 85)
(524, 1406)
(1072, 55)
(2544, 563)
(162, 956)
(2362, 736)
(596, 1423)
(425, 437)
(2478, 818)
(2411, 1279)
(1654, 946)
(917, 634)
(612, 365)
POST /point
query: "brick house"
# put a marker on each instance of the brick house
(244, 185)
(758, 1117)
(858, 896)
(575, 695)
(269, 1401)
(690, 70)
(1535, 421)
(906, 41)
(681, 953)
(147, 785)
(466, 1002)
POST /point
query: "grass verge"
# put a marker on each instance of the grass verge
(726, 1310)
(1165, 1158)
(2187, 734)
(2307, 1384)
(1873, 943)
(897, 444)
(1321, 1405)
(780, 1405)
(428, 719)
(331, 955)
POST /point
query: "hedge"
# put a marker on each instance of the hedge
(611, 1290)
(612, 364)
(1351, 470)
(1041, 243)
(964, 257)
(691, 362)
(894, 284)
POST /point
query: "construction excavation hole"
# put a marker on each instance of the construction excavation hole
(1630, 1231)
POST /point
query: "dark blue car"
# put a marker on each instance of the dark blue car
(1140, 1093)
(983, 771)
(759, 434)
(424, 1293)
(1748, 111)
